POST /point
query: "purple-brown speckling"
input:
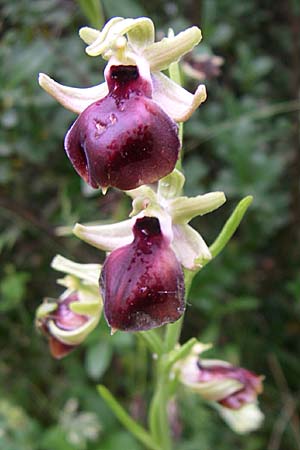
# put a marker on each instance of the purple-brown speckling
(252, 383)
(142, 283)
(125, 139)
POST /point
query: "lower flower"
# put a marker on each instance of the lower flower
(64, 327)
(232, 390)
(142, 283)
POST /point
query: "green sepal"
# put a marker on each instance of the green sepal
(161, 54)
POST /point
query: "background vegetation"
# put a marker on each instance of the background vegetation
(244, 140)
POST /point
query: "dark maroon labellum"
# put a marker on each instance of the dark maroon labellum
(126, 139)
(142, 283)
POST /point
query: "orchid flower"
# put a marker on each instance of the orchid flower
(126, 134)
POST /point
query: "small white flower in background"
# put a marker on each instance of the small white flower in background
(80, 427)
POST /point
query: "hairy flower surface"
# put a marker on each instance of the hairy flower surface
(233, 390)
(126, 134)
(68, 320)
(142, 283)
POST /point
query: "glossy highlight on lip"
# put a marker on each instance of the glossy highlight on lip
(142, 283)
(125, 139)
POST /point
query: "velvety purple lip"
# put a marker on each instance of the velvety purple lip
(126, 139)
(142, 283)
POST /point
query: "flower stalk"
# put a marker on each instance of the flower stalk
(129, 136)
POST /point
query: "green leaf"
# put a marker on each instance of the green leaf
(12, 290)
(118, 441)
(230, 226)
(98, 358)
(93, 10)
(54, 438)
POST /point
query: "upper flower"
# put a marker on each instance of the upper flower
(125, 135)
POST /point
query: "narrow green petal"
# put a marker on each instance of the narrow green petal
(86, 272)
(86, 308)
(183, 209)
(161, 54)
(140, 33)
(90, 35)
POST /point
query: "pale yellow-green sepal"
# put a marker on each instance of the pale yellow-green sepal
(189, 247)
(86, 272)
(183, 209)
(170, 49)
(215, 390)
(176, 101)
(243, 420)
(106, 237)
(74, 99)
(45, 309)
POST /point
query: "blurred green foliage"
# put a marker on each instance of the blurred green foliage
(244, 140)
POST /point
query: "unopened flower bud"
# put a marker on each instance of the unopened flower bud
(142, 283)
(125, 139)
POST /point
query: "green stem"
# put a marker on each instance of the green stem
(153, 341)
(137, 430)
(172, 334)
(158, 414)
